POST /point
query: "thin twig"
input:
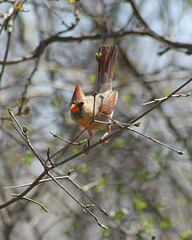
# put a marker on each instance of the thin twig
(60, 178)
(15, 119)
(123, 128)
(5, 57)
(31, 75)
(55, 38)
(84, 192)
(24, 135)
(21, 195)
(156, 141)
(153, 34)
(150, 138)
(41, 181)
(31, 200)
(83, 207)
(36, 182)
(160, 99)
(67, 141)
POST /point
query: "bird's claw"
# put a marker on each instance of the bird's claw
(86, 146)
(103, 141)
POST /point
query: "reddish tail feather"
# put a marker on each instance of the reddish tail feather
(106, 64)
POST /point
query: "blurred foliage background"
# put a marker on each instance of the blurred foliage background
(146, 188)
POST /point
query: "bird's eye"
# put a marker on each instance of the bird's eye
(81, 103)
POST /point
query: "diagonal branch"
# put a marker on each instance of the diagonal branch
(153, 34)
(47, 169)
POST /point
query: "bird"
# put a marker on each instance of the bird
(95, 111)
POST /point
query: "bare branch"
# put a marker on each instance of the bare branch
(55, 38)
(160, 99)
(83, 207)
(33, 201)
(21, 195)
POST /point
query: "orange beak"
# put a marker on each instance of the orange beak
(74, 108)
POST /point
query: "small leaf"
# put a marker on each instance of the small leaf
(158, 153)
(9, 110)
(118, 143)
(139, 204)
(120, 213)
(28, 157)
(83, 141)
(24, 129)
(120, 190)
(93, 78)
(90, 205)
(74, 224)
(84, 211)
(127, 97)
(105, 234)
(103, 226)
(76, 149)
(82, 167)
(66, 233)
(167, 222)
(186, 235)
(48, 151)
(98, 56)
(103, 180)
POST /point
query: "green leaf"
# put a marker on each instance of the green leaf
(118, 143)
(127, 97)
(82, 167)
(186, 235)
(66, 233)
(119, 214)
(83, 141)
(146, 225)
(167, 222)
(153, 238)
(25, 129)
(76, 149)
(74, 224)
(105, 234)
(120, 190)
(139, 204)
(158, 153)
(28, 157)
(105, 227)
(98, 55)
(103, 180)
(90, 205)
(93, 78)
(9, 109)
(139, 174)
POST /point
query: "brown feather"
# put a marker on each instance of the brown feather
(106, 65)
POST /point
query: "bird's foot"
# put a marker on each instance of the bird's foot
(86, 146)
(102, 139)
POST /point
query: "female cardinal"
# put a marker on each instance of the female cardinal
(95, 112)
